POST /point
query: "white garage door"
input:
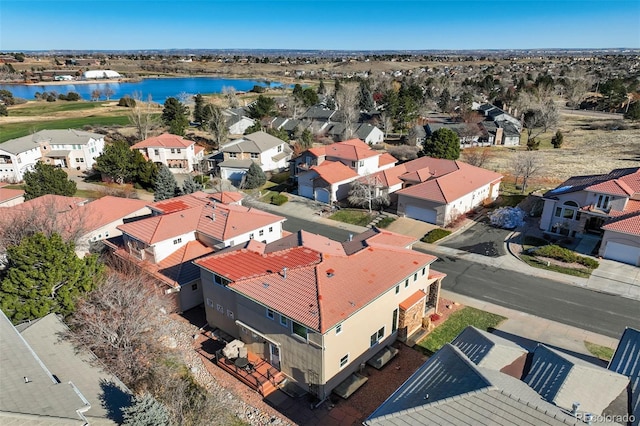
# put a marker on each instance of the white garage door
(622, 253)
(419, 213)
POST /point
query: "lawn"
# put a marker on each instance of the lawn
(51, 108)
(385, 222)
(17, 130)
(87, 193)
(457, 322)
(537, 263)
(602, 352)
(354, 217)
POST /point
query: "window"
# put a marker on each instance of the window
(261, 232)
(377, 336)
(353, 164)
(271, 229)
(177, 241)
(209, 303)
(424, 270)
(406, 283)
(230, 314)
(603, 202)
(220, 308)
(156, 151)
(254, 155)
(270, 314)
(558, 212)
(194, 287)
(232, 155)
(397, 289)
(361, 163)
(394, 320)
(279, 148)
(251, 236)
(79, 160)
(415, 277)
(339, 328)
(283, 321)
(178, 150)
(173, 151)
(344, 360)
(299, 330)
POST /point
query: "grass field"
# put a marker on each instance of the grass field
(17, 130)
(40, 108)
(354, 217)
(457, 322)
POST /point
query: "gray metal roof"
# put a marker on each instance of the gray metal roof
(450, 390)
(318, 112)
(238, 164)
(364, 130)
(564, 379)
(40, 395)
(626, 360)
(487, 350)
(56, 137)
(60, 357)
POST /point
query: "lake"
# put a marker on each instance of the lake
(159, 88)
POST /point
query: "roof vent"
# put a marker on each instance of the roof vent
(352, 303)
(213, 217)
(330, 273)
(26, 379)
(575, 408)
(265, 285)
(350, 237)
(284, 272)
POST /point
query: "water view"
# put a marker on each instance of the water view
(158, 88)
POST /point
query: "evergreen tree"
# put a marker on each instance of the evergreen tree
(3, 110)
(165, 185)
(44, 275)
(633, 112)
(190, 186)
(255, 177)
(47, 179)
(443, 143)
(255, 127)
(124, 165)
(557, 140)
(198, 109)
(306, 139)
(309, 97)
(263, 107)
(297, 91)
(365, 97)
(176, 116)
(322, 90)
(145, 411)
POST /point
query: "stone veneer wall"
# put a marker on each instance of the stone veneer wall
(411, 319)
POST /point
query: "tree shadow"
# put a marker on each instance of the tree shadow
(114, 399)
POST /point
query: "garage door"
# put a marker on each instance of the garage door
(419, 213)
(322, 195)
(622, 253)
(305, 191)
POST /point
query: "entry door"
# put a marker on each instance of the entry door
(274, 355)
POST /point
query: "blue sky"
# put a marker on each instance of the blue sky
(320, 24)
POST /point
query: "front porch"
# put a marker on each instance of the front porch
(252, 370)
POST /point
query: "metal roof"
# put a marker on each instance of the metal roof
(626, 360)
(487, 350)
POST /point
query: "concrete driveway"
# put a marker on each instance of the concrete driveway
(616, 278)
(410, 227)
(480, 238)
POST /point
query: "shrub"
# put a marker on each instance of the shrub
(258, 89)
(588, 262)
(279, 199)
(565, 255)
(434, 317)
(201, 179)
(435, 235)
(127, 102)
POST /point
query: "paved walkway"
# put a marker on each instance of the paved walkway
(610, 277)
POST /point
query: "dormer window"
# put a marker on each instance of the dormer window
(603, 202)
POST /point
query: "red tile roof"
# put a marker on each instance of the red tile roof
(7, 194)
(166, 140)
(613, 187)
(321, 289)
(412, 300)
(627, 224)
(452, 186)
(177, 268)
(386, 158)
(418, 170)
(219, 221)
(227, 197)
(108, 209)
(334, 172)
(350, 150)
(392, 239)
(196, 199)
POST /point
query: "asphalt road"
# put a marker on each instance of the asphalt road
(564, 303)
(481, 238)
(589, 310)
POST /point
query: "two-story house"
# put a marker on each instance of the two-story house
(325, 173)
(177, 153)
(63, 148)
(269, 152)
(315, 308)
(184, 228)
(605, 205)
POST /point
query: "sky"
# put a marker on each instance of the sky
(318, 24)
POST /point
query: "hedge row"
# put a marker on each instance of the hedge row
(565, 255)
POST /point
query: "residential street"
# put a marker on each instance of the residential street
(586, 309)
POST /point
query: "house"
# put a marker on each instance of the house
(318, 113)
(180, 155)
(185, 228)
(438, 191)
(346, 160)
(315, 308)
(493, 113)
(485, 379)
(63, 148)
(469, 133)
(269, 152)
(31, 393)
(237, 121)
(104, 392)
(626, 361)
(77, 219)
(606, 205)
(10, 197)
(366, 132)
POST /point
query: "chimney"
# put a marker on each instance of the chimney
(350, 237)
(575, 408)
(284, 273)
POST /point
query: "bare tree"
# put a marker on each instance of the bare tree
(143, 116)
(526, 164)
(108, 92)
(387, 123)
(95, 94)
(367, 192)
(216, 124)
(477, 156)
(347, 99)
(404, 152)
(577, 86)
(230, 95)
(118, 322)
